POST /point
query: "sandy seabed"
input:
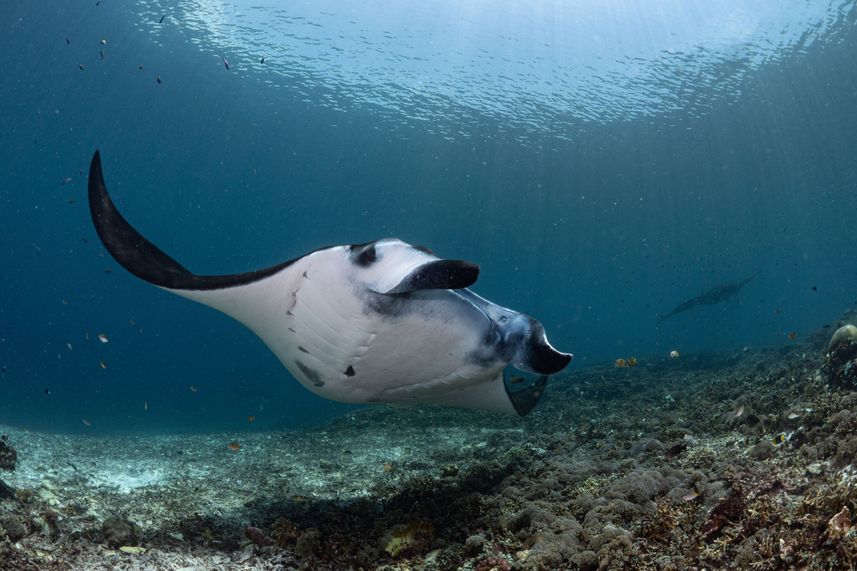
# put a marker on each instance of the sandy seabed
(738, 460)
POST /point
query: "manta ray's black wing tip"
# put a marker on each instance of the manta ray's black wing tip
(142, 258)
(133, 252)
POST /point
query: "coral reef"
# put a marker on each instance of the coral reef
(743, 460)
(8, 455)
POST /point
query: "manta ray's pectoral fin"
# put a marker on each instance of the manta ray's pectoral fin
(440, 274)
(142, 258)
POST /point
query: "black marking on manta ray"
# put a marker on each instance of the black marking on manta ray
(292, 330)
(145, 260)
(349, 372)
(311, 374)
(388, 305)
(303, 350)
(364, 255)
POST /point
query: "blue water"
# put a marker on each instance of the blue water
(601, 163)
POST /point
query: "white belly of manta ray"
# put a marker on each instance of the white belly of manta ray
(382, 322)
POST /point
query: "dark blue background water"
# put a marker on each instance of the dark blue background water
(594, 211)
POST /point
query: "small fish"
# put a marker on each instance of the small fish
(145, 405)
(80, 65)
(674, 354)
(193, 389)
(70, 348)
(67, 41)
(792, 335)
(793, 416)
(131, 321)
(739, 412)
(262, 60)
(103, 338)
(515, 380)
(103, 364)
(690, 496)
(234, 446)
(103, 42)
(141, 66)
(158, 79)
(3, 371)
(101, 52)
(86, 422)
(226, 63)
(632, 361)
(161, 21)
(65, 302)
(66, 180)
(107, 270)
(621, 363)
(251, 418)
(85, 241)
(47, 392)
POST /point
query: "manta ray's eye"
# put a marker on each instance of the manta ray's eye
(364, 255)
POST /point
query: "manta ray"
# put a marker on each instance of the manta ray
(712, 296)
(376, 322)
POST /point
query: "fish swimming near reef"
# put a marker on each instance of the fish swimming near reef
(379, 322)
(714, 295)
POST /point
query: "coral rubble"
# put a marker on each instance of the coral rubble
(743, 460)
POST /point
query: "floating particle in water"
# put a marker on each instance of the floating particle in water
(102, 364)
(80, 65)
(814, 288)
(47, 392)
(103, 338)
(103, 42)
(226, 63)
(621, 363)
(141, 66)
(792, 335)
(70, 348)
(251, 418)
(67, 41)
(65, 302)
(86, 422)
(234, 446)
(193, 389)
(146, 405)
(3, 371)
(158, 79)
(66, 180)
(674, 354)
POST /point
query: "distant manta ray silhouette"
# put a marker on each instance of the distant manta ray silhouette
(710, 297)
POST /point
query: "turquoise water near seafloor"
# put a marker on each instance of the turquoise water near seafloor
(602, 163)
